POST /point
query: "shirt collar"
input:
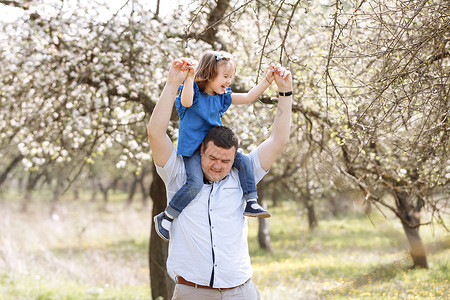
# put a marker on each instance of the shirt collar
(206, 181)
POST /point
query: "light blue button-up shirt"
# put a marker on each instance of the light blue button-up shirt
(208, 241)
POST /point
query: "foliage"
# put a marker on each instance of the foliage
(78, 87)
(387, 90)
(83, 85)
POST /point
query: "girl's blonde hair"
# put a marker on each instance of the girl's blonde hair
(208, 67)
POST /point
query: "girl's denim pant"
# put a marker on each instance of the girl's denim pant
(194, 181)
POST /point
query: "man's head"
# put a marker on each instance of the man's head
(218, 151)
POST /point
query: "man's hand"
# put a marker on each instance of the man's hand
(283, 79)
(180, 69)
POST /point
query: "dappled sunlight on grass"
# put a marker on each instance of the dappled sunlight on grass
(79, 252)
(347, 258)
(38, 287)
(85, 252)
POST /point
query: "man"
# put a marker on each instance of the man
(208, 250)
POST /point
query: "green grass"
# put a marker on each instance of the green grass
(346, 258)
(82, 251)
(90, 253)
(26, 287)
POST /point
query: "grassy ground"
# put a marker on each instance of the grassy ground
(346, 258)
(81, 252)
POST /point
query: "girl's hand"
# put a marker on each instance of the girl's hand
(188, 64)
(270, 76)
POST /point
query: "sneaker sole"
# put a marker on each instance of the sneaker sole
(258, 215)
(160, 235)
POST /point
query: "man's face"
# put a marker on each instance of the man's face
(216, 162)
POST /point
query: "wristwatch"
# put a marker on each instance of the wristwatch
(285, 93)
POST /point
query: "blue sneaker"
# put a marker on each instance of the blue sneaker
(253, 209)
(162, 225)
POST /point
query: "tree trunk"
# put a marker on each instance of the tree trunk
(275, 196)
(104, 191)
(32, 181)
(334, 206)
(312, 219)
(210, 36)
(56, 195)
(115, 184)
(144, 189)
(161, 284)
(26, 200)
(132, 191)
(263, 234)
(309, 204)
(410, 218)
(8, 169)
(76, 193)
(144, 194)
(94, 194)
(263, 223)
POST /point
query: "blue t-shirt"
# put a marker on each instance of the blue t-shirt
(195, 121)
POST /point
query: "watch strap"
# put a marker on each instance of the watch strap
(285, 93)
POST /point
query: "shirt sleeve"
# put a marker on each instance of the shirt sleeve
(182, 109)
(171, 169)
(226, 101)
(259, 172)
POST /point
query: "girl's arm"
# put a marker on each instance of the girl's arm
(255, 92)
(187, 95)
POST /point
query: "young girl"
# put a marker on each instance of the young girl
(205, 96)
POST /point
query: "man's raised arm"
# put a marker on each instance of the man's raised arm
(160, 142)
(269, 150)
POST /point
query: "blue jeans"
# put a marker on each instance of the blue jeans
(192, 186)
(194, 181)
(245, 167)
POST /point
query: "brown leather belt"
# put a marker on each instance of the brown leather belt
(181, 280)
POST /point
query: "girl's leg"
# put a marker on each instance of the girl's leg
(246, 176)
(189, 190)
(181, 199)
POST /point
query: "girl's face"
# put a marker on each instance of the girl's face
(223, 79)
